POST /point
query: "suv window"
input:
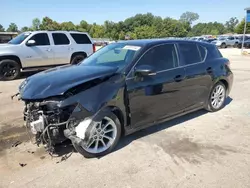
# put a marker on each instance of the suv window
(80, 38)
(60, 39)
(203, 52)
(190, 53)
(41, 39)
(162, 57)
(230, 38)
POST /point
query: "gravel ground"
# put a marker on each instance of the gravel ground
(197, 150)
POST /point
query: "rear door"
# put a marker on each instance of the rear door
(84, 43)
(154, 97)
(198, 80)
(62, 48)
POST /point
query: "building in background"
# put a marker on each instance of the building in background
(7, 36)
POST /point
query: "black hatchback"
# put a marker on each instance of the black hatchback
(124, 87)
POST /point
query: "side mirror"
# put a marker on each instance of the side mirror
(144, 70)
(31, 43)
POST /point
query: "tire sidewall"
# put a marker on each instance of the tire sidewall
(14, 63)
(76, 57)
(118, 127)
(209, 105)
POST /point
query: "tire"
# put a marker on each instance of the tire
(77, 59)
(210, 105)
(117, 124)
(9, 70)
(236, 44)
(223, 45)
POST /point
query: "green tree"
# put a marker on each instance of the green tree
(12, 28)
(36, 24)
(1, 28)
(23, 29)
(189, 17)
(240, 27)
(49, 24)
(68, 26)
(231, 24)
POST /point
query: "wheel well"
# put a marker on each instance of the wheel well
(119, 115)
(12, 57)
(225, 83)
(78, 53)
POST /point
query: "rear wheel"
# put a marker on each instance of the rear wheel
(105, 136)
(9, 69)
(223, 45)
(217, 97)
(236, 44)
(77, 59)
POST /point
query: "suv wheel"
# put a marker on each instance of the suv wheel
(106, 134)
(223, 45)
(217, 97)
(9, 69)
(77, 59)
(236, 45)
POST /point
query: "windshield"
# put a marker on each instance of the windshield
(115, 55)
(222, 38)
(19, 39)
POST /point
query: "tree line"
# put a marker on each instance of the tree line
(140, 26)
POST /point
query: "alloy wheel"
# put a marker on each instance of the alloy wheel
(8, 70)
(103, 136)
(218, 96)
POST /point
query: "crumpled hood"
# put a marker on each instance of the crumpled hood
(58, 80)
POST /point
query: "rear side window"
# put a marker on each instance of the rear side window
(81, 38)
(41, 39)
(203, 52)
(60, 39)
(213, 52)
(190, 53)
(161, 57)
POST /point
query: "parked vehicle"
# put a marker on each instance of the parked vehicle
(225, 41)
(246, 38)
(209, 40)
(36, 50)
(122, 88)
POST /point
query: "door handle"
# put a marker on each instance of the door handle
(209, 70)
(178, 78)
(48, 50)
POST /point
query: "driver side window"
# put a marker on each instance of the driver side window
(41, 39)
(162, 57)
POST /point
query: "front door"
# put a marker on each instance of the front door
(154, 96)
(39, 54)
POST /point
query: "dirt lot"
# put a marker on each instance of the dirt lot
(198, 150)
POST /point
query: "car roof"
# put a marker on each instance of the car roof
(152, 42)
(50, 31)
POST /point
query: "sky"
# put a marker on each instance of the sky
(22, 12)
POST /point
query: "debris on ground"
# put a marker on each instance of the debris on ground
(16, 144)
(42, 157)
(64, 158)
(22, 164)
(32, 152)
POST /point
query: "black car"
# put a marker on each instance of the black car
(122, 88)
(246, 43)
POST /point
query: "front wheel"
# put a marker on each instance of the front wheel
(77, 59)
(9, 69)
(223, 45)
(105, 136)
(217, 97)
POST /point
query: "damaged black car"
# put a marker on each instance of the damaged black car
(122, 88)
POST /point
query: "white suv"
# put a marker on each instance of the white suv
(43, 49)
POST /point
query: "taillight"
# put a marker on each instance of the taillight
(94, 48)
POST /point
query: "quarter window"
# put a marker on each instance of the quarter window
(203, 52)
(41, 39)
(161, 57)
(80, 38)
(190, 53)
(60, 39)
